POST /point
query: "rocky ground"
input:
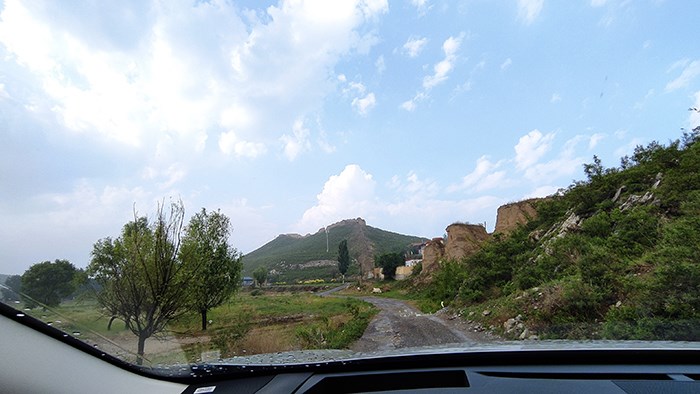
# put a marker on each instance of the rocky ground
(399, 325)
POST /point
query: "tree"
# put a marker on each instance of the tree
(142, 281)
(343, 258)
(12, 288)
(48, 283)
(218, 265)
(389, 262)
(260, 275)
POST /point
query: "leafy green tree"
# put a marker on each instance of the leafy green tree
(217, 265)
(260, 275)
(48, 283)
(343, 258)
(12, 288)
(142, 281)
(389, 262)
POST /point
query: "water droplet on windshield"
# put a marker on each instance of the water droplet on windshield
(76, 333)
(20, 315)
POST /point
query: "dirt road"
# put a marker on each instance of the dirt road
(399, 325)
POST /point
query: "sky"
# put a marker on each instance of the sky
(291, 115)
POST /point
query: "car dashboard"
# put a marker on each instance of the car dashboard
(37, 358)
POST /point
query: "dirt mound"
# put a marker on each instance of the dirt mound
(464, 240)
(510, 216)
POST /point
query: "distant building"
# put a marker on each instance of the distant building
(403, 272)
(247, 281)
(411, 263)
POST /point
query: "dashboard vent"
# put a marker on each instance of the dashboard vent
(577, 375)
(390, 381)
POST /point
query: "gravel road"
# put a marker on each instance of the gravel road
(399, 325)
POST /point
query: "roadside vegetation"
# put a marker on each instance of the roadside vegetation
(246, 324)
(616, 256)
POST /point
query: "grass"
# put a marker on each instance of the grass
(247, 324)
(275, 322)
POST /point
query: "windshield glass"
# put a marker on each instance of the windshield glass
(237, 182)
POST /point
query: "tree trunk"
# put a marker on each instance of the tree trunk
(204, 319)
(141, 346)
(109, 326)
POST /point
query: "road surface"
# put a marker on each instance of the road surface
(399, 325)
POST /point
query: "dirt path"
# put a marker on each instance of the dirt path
(399, 325)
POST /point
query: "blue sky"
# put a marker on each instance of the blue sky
(292, 115)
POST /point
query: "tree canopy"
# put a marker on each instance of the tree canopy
(215, 266)
(260, 276)
(48, 283)
(343, 258)
(12, 288)
(389, 262)
(142, 281)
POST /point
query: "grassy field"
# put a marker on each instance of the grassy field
(247, 324)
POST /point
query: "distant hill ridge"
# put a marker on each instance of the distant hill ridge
(288, 253)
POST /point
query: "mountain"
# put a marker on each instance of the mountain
(313, 256)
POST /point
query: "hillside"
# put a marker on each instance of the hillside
(616, 256)
(293, 257)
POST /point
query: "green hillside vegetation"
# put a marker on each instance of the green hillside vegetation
(616, 256)
(285, 251)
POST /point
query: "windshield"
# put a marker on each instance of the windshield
(234, 182)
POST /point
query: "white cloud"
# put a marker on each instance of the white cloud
(380, 65)
(595, 139)
(483, 177)
(175, 68)
(349, 194)
(229, 143)
(422, 6)
(555, 98)
(365, 104)
(506, 64)
(410, 105)
(168, 176)
(598, 3)
(542, 191)
(445, 66)
(441, 71)
(414, 46)
(412, 185)
(528, 10)
(689, 73)
(362, 103)
(640, 104)
(257, 227)
(565, 164)
(531, 147)
(414, 208)
(296, 143)
(69, 223)
(3, 92)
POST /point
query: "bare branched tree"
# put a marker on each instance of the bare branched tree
(142, 280)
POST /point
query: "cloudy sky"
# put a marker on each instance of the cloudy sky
(290, 115)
